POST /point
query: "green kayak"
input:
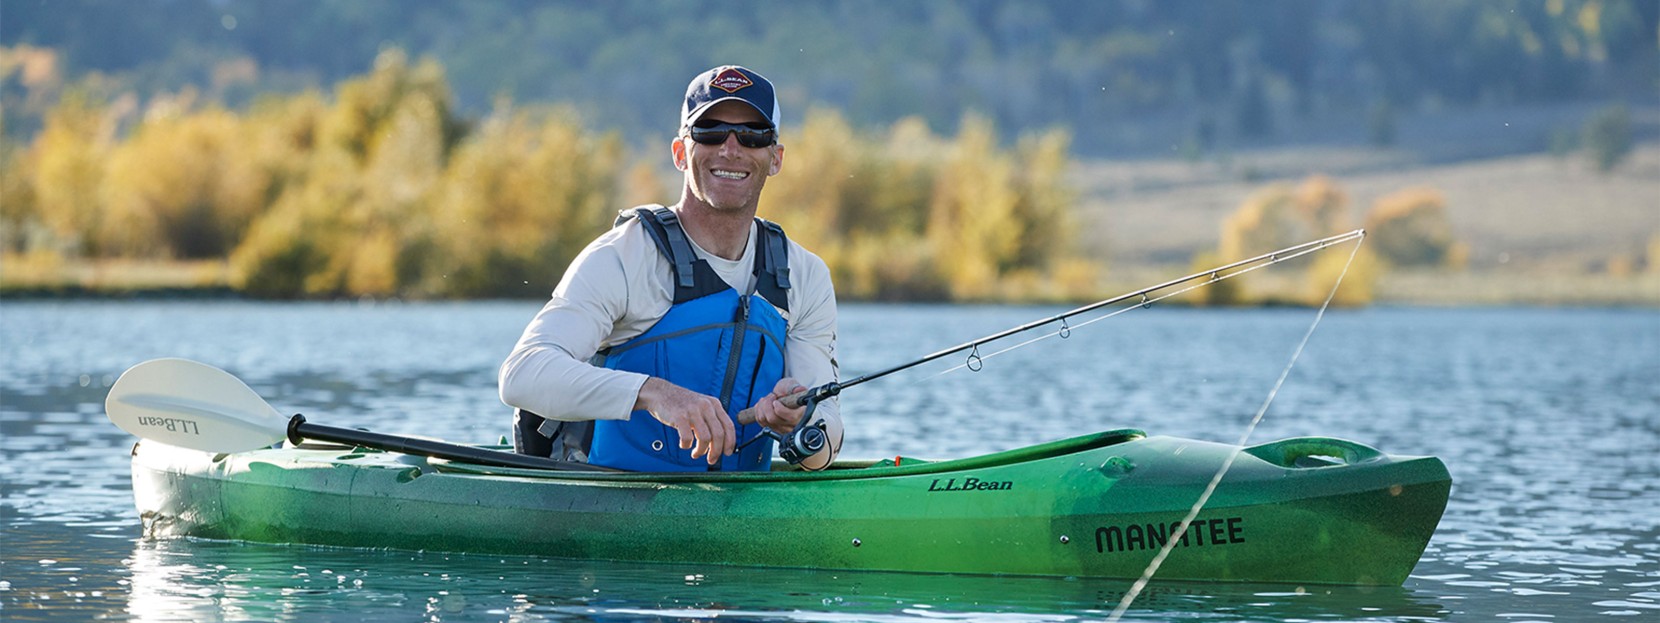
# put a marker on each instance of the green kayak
(1305, 510)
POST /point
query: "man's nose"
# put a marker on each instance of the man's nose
(730, 145)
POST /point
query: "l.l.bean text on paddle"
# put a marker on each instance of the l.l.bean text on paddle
(1203, 532)
(172, 424)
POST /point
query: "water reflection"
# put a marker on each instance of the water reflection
(192, 580)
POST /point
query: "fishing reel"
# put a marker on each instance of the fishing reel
(804, 441)
(807, 438)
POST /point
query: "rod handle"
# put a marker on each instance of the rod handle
(747, 416)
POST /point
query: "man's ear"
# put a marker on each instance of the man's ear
(677, 151)
(777, 159)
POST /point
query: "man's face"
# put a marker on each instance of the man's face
(728, 176)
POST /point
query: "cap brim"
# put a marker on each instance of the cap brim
(697, 113)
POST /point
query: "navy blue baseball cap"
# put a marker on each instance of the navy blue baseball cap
(729, 82)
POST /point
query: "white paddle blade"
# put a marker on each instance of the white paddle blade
(193, 405)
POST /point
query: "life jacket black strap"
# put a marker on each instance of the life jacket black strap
(773, 260)
(694, 278)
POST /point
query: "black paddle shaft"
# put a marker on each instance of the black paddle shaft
(299, 429)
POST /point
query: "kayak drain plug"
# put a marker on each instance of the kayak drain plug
(856, 542)
(1065, 539)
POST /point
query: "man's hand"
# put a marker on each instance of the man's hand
(772, 411)
(698, 418)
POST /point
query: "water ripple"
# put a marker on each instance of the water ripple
(1546, 419)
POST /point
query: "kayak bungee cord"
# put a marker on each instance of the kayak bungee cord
(806, 440)
(1181, 531)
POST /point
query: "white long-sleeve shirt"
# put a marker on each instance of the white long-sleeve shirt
(619, 287)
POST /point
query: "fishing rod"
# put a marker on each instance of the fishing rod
(807, 440)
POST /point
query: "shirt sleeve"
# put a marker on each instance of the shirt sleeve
(811, 348)
(548, 371)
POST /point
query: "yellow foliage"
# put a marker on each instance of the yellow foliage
(808, 195)
(372, 269)
(183, 186)
(32, 268)
(961, 215)
(70, 155)
(394, 203)
(363, 105)
(276, 256)
(1323, 205)
(1223, 292)
(1359, 282)
(522, 197)
(1045, 201)
(405, 162)
(1281, 216)
(1653, 257)
(642, 184)
(18, 215)
(1411, 228)
(894, 267)
(1270, 219)
(1076, 278)
(381, 190)
(971, 218)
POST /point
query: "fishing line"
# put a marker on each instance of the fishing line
(1193, 513)
(976, 361)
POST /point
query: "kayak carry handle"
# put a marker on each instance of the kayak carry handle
(1307, 452)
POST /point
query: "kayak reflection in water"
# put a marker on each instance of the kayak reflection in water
(669, 325)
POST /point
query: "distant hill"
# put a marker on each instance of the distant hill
(1127, 78)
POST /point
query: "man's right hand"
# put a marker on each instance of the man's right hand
(696, 417)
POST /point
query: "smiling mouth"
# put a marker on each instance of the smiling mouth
(730, 175)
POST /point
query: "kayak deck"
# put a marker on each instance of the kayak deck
(1306, 510)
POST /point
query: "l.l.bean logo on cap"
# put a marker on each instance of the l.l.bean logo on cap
(730, 80)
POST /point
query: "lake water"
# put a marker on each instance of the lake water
(1549, 421)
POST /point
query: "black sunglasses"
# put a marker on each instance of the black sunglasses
(751, 135)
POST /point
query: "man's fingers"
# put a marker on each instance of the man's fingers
(688, 435)
(726, 435)
(775, 414)
(715, 432)
(729, 435)
(700, 422)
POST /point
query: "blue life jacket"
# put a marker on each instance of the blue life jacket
(713, 341)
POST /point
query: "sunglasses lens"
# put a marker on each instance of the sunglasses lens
(755, 139)
(751, 137)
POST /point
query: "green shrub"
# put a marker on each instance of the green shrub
(1607, 136)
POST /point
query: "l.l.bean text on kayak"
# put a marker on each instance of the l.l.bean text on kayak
(1203, 533)
(172, 424)
(971, 484)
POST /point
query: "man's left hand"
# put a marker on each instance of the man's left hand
(772, 411)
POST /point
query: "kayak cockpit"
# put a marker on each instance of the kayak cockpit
(840, 470)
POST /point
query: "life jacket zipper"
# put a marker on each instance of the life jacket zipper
(739, 329)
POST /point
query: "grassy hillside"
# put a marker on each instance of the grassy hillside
(1539, 228)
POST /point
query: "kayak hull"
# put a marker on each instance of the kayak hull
(1306, 511)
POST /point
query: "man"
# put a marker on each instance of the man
(678, 318)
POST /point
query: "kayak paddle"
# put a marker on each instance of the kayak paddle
(193, 405)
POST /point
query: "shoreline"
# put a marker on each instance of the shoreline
(1452, 289)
